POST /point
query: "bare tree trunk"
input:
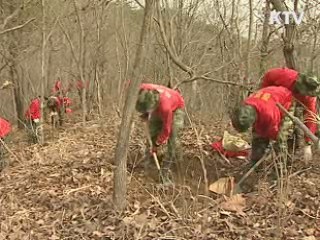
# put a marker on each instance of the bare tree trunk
(96, 62)
(314, 48)
(13, 70)
(288, 36)
(265, 40)
(248, 50)
(120, 174)
(288, 50)
(17, 92)
(81, 62)
(48, 68)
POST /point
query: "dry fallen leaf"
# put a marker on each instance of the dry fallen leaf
(235, 203)
(6, 84)
(309, 238)
(223, 185)
(310, 231)
(141, 219)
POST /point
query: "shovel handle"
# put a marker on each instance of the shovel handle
(247, 174)
(150, 144)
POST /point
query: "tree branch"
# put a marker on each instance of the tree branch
(70, 42)
(206, 78)
(17, 27)
(174, 58)
(139, 3)
(12, 15)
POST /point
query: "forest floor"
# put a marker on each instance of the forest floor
(63, 190)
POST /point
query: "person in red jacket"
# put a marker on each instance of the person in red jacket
(305, 88)
(268, 122)
(5, 129)
(80, 87)
(162, 107)
(33, 116)
(60, 90)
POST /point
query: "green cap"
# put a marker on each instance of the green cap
(308, 84)
(148, 101)
(243, 117)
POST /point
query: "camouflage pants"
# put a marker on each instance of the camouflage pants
(174, 146)
(3, 161)
(32, 131)
(55, 111)
(57, 115)
(260, 145)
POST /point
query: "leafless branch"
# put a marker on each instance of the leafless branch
(206, 78)
(16, 27)
(174, 58)
(139, 3)
(69, 41)
(11, 16)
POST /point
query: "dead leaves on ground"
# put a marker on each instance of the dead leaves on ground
(64, 191)
(236, 203)
(223, 186)
(231, 202)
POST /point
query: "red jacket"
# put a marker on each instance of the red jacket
(170, 101)
(80, 85)
(34, 111)
(5, 128)
(67, 101)
(269, 116)
(57, 88)
(287, 78)
(218, 147)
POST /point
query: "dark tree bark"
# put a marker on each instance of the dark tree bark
(265, 40)
(17, 92)
(120, 173)
(288, 36)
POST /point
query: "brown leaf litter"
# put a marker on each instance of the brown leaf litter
(64, 191)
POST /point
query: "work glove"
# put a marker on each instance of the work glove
(144, 117)
(161, 141)
(37, 120)
(307, 153)
(153, 150)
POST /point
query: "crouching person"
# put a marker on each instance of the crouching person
(33, 116)
(305, 88)
(5, 129)
(162, 108)
(268, 122)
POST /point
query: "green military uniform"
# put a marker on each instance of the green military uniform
(55, 109)
(33, 130)
(261, 145)
(174, 145)
(306, 86)
(2, 152)
(147, 103)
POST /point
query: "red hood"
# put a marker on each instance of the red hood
(5, 128)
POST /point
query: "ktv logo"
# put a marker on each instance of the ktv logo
(285, 17)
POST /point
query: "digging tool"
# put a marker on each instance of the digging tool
(301, 125)
(237, 188)
(154, 155)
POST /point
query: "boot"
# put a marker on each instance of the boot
(166, 177)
